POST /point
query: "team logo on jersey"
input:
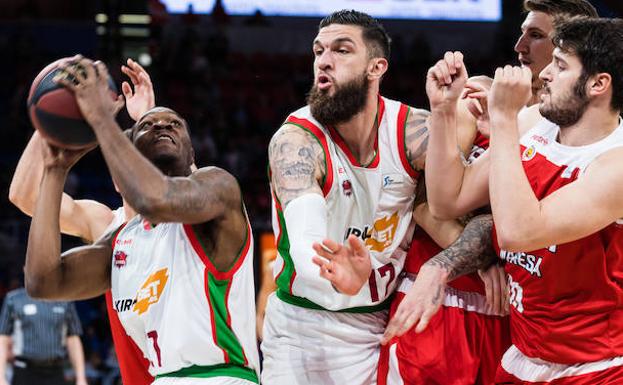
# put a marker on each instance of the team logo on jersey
(528, 153)
(151, 291)
(120, 259)
(382, 233)
(347, 188)
(392, 180)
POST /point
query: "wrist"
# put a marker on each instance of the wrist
(444, 109)
(56, 170)
(436, 270)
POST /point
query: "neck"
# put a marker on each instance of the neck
(596, 123)
(360, 131)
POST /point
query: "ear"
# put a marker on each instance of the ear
(377, 68)
(599, 84)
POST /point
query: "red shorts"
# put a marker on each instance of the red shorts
(528, 371)
(459, 347)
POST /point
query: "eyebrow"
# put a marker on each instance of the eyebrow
(339, 40)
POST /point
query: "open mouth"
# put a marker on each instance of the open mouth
(324, 82)
(165, 138)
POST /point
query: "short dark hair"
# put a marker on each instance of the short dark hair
(558, 8)
(374, 35)
(598, 43)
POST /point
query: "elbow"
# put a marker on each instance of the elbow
(442, 212)
(511, 239)
(35, 287)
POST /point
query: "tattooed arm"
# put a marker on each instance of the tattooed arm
(297, 164)
(471, 251)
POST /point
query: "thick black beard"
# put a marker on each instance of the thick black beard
(348, 100)
(570, 109)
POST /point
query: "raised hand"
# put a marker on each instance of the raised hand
(346, 266)
(57, 157)
(140, 99)
(419, 305)
(89, 82)
(476, 94)
(445, 81)
(511, 90)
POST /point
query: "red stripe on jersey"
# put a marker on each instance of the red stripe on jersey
(133, 365)
(198, 247)
(402, 145)
(318, 134)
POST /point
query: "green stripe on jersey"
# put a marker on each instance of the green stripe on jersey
(225, 337)
(304, 302)
(283, 281)
(223, 370)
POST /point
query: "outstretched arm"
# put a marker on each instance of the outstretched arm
(472, 251)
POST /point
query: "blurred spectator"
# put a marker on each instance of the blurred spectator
(42, 335)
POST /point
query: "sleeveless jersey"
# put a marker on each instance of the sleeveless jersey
(567, 299)
(424, 247)
(373, 202)
(133, 366)
(187, 317)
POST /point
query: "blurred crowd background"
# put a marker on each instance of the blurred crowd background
(234, 78)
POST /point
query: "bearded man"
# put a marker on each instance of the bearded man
(344, 172)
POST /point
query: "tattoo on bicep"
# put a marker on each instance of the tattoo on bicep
(473, 249)
(416, 137)
(294, 160)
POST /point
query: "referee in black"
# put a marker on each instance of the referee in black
(42, 335)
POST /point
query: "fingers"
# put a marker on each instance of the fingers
(495, 288)
(325, 268)
(401, 323)
(357, 245)
(488, 289)
(127, 90)
(119, 103)
(327, 249)
(424, 320)
(504, 290)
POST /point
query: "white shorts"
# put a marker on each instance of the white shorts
(311, 347)
(201, 381)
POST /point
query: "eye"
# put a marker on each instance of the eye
(536, 35)
(145, 125)
(317, 52)
(176, 123)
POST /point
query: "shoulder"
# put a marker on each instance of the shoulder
(219, 181)
(292, 139)
(16, 293)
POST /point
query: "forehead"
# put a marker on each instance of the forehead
(569, 57)
(333, 32)
(538, 20)
(159, 113)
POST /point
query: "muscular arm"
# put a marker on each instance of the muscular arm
(80, 273)
(297, 164)
(86, 219)
(473, 250)
(204, 195)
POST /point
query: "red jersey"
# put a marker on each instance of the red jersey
(424, 248)
(567, 299)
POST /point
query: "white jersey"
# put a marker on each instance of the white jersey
(188, 318)
(373, 202)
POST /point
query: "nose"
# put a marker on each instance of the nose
(162, 125)
(522, 44)
(546, 74)
(325, 60)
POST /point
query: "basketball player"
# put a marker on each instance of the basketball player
(178, 268)
(465, 341)
(344, 168)
(90, 219)
(562, 250)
